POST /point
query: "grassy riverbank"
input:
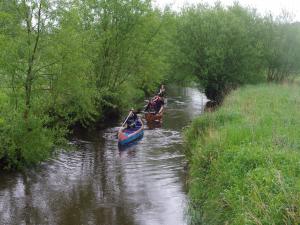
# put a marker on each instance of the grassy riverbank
(245, 158)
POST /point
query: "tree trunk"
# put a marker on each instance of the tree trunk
(31, 57)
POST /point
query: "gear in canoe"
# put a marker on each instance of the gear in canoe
(131, 130)
(155, 108)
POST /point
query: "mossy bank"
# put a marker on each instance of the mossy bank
(245, 158)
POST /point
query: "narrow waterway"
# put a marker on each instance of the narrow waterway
(144, 184)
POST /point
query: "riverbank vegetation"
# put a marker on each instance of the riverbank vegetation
(66, 62)
(225, 48)
(82, 61)
(245, 158)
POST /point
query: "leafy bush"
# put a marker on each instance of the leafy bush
(226, 47)
(60, 65)
(221, 47)
(25, 142)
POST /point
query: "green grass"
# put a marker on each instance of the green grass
(245, 159)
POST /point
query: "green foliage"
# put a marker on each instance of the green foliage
(124, 49)
(245, 159)
(221, 47)
(228, 47)
(76, 61)
(24, 142)
(282, 49)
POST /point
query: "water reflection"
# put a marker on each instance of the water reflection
(102, 184)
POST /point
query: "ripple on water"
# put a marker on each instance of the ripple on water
(98, 184)
(157, 138)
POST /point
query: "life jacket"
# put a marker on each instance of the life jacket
(151, 104)
(157, 103)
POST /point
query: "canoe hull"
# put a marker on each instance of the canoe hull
(126, 136)
(150, 117)
(131, 139)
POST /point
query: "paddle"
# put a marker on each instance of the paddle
(127, 118)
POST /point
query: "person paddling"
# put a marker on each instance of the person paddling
(162, 90)
(159, 104)
(131, 119)
(150, 107)
(156, 104)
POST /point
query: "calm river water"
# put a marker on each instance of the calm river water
(144, 184)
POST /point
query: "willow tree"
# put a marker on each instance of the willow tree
(23, 39)
(125, 48)
(222, 47)
(64, 62)
(44, 75)
(282, 40)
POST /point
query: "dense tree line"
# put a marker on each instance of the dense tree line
(63, 62)
(227, 47)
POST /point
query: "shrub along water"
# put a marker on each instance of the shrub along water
(226, 47)
(63, 62)
(245, 159)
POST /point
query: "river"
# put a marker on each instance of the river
(144, 184)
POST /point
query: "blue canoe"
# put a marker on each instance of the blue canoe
(128, 135)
